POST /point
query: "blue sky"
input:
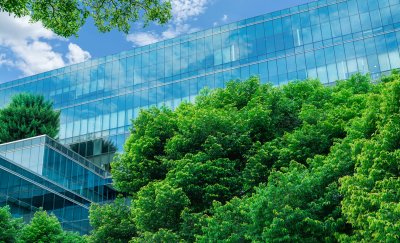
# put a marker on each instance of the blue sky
(27, 49)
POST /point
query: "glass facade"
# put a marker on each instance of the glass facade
(41, 173)
(326, 39)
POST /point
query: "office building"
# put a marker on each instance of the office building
(39, 173)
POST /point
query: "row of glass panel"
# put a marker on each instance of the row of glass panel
(327, 10)
(372, 55)
(284, 33)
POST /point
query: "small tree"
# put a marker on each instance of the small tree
(42, 228)
(8, 225)
(27, 116)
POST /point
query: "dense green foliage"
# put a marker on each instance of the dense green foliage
(301, 162)
(42, 228)
(66, 17)
(26, 116)
(111, 222)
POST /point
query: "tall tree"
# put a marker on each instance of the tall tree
(26, 116)
(66, 17)
(256, 163)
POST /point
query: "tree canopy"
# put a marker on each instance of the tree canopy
(300, 162)
(65, 18)
(26, 116)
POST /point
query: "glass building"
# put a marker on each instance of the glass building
(326, 39)
(41, 173)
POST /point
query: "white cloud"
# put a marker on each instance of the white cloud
(175, 30)
(76, 54)
(146, 38)
(29, 46)
(182, 11)
(35, 57)
(143, 38)
(224, 18)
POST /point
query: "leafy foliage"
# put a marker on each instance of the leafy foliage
(112, 222)
(160, 236)
(158, 206)
(42, 228)
(256, 163)
(228, 223)
(141, 164)
(9, 227)
(72, 237)
(371, 195)
(26, 116)
(66, 17)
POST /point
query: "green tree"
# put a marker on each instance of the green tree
(371, 195)
(160, 236)
(301, 201)
(72, 237)
(205, 180)
(227, 223)
(26, 116)
(9, 227)
(158, 206)
(66, 17)
(141, 161)
(42, 228)
(301, 162)
(111, 222)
